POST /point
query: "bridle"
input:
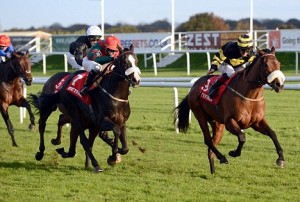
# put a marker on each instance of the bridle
(261, 78)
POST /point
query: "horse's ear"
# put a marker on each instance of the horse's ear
(131, 48)
(27, 53)
(273, 50)
(260, 52)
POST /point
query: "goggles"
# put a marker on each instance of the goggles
(94, 38)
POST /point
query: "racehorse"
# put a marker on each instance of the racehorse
(11, 88)
(109, 103)
(241, 106)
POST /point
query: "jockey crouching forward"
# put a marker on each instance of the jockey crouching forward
(234, 56)
(93, 35)
(99, 55)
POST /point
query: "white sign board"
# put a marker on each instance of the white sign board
(143, 42)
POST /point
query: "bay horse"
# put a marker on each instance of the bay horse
(241, 106)
(13, 71)
(110, 106)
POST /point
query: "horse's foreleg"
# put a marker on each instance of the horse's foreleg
(72, 148)
(264, 128)
(123, 138)
(233, 127)
(24, 103)
(92, 137)
(10, 128)
(113, 159)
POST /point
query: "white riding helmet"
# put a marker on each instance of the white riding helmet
(94, 31)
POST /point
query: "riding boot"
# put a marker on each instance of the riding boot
(213, 89)
(88, 83)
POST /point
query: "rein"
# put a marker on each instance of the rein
(249, 99)
(113, 97)
(125, 77)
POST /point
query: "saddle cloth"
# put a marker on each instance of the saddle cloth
(204, 88)
(75, 86)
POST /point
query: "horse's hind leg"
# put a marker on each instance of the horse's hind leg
(217, 130)
(264, 128)
(9, 125)
(62, 120)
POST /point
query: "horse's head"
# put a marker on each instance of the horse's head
(265, 69)
(79, 51)
(271, 73)
(22, 66)
(126, 65)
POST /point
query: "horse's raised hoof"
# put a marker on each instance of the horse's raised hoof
(98, 169)
(55, 142)
(62, 152)
(39, 156)
(31, 127)
(234, 153)
(223, 160)
(280, 163)
(111, 160)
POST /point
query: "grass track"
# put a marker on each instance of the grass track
(173, 167)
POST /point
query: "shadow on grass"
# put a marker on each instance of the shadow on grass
(30, 166)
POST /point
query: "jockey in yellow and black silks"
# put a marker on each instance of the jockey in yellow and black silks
(232, 57)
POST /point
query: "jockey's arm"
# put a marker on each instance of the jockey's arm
(103, 59)
(72, 61)
(89, 65)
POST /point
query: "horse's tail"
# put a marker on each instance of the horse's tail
(44, 103)
(181, 115)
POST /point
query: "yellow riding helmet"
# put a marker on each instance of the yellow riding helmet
(245, 41)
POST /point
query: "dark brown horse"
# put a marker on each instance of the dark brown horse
(11, 88)
(241, 106)
(109, 103)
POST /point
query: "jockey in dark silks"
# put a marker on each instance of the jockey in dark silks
(6, 48)
(93, 35)
(97, 57)
(233, 56)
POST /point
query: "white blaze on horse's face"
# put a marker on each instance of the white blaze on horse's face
(133, 69)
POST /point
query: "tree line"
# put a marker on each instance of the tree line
(198, 22)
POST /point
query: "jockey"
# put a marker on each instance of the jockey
(93, 35)
(233, 56)
(99, 55)
(6, 48)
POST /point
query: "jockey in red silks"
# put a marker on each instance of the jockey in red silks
(233, 56)
(99, 55)
(6, 48)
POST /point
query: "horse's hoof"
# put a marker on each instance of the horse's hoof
(31, 127)
(14, 144)
(234, 153)
(280, 163)
(223, 160)
(111, 161)
(39, 156)
(55, 142)
(98, 169)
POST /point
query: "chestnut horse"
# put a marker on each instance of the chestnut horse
(110, 105)
(241, 106)
(11, 88)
